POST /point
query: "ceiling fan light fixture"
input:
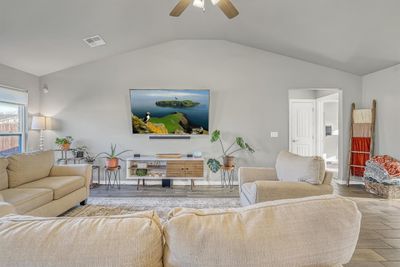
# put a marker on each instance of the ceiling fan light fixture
(214, 2)
(199, 4)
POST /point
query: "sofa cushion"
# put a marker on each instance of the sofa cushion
(315, 231)
(25, 168)
(3, 173)
(130, 240)
(61, 185)
(294, 168)
(27, 199)
(6, 209)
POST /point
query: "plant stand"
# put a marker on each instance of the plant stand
(109, 174)
(227, 176)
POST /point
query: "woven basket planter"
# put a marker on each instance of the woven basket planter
(383, 190)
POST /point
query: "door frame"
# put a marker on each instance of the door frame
(298, 100)
(342, 150)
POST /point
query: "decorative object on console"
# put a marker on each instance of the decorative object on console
(39, 123)
(170, 112)
(64, 142)
(112, 158)
(169, 155)
(197, 154)
(227, 154)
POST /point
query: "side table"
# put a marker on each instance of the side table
(227, 176)
(109, 174)
(93, 185)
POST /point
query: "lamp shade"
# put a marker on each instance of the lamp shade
(38, 123)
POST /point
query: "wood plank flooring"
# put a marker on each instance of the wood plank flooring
(379, 242)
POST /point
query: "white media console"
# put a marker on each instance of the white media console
(159, 168)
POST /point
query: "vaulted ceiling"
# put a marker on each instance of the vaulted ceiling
(44, 36)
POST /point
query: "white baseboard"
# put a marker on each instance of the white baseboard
(179, 182)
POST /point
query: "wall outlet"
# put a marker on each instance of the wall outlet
(274, 134)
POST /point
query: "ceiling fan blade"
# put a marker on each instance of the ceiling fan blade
(228, 8)
(179, 8)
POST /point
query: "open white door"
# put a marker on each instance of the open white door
(302, 127)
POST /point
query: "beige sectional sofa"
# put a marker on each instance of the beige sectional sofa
(31, 184)
(315, 231)
(293, 177)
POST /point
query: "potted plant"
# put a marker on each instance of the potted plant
(228, 160)
(80, 151)
(64, 142)
(112, 158)
(90, 159)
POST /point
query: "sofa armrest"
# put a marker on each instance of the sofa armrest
(84, 170)
(252, 174)
(6, 209)
(328, 178)
(275, 190)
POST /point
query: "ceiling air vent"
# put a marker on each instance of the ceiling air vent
(94, 41)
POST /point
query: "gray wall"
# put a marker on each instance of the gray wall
(249, 95)
(22, 80)
(384, 86)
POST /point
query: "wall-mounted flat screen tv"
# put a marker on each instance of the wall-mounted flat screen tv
(170, 112)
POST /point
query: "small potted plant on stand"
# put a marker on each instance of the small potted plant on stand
(90, 159)
(228, 160)
(64, 142)
(80, 151)
(112, 158)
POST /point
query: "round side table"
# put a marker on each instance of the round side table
(227, 176)
(112, 177)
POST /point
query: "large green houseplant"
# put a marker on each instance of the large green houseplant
(228, 160)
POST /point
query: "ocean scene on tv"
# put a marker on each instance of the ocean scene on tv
(176, 112)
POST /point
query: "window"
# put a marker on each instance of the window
(12, 121)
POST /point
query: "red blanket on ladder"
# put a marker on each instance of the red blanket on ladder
(360, 144)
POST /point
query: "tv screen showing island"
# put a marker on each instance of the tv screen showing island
(170, 112)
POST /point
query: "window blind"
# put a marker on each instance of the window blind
(14, 96)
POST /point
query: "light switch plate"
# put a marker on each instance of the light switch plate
(274, 134)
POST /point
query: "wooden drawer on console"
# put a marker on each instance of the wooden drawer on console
(194, 168)
(176, 168)
(185, 168)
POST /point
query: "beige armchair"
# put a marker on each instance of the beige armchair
(262, 184)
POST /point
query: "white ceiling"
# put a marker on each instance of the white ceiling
(44, 36)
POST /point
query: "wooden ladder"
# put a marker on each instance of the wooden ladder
(352, 153)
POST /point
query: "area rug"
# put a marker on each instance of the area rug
(98, 206)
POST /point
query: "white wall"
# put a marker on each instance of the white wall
(22, 80)
(384, 86)
(249, 95)
(331, 143)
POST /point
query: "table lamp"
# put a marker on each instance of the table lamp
(39, 123)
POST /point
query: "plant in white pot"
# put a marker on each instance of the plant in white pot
(228, 160)
(112, 158)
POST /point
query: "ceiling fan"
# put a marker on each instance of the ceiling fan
(225, 5)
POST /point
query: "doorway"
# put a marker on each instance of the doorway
(314, 125)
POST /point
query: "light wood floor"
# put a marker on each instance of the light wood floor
(379, 242)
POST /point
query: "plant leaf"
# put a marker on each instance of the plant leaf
(215, 136)
(120, 153)
(240, 142)
(249, 148)
(214, 165)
